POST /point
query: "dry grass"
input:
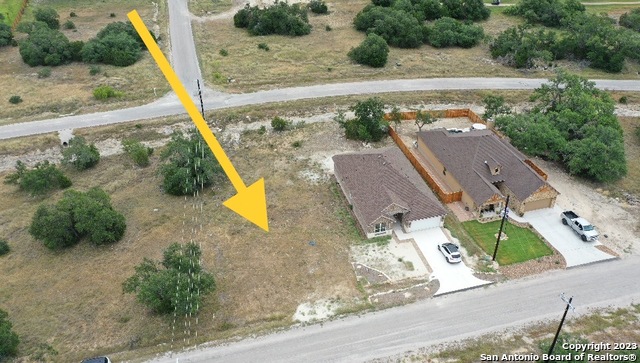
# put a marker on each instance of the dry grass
(72, 300)
(69, 88)
(321, 57)
(24, 145)
(207, 7)
(631, 182)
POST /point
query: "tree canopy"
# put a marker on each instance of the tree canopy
(369, 123)
(631, 20)
(552, 13)
(6, 35)
(574, 123)
(373, 51)
(280, 18)
(448, 32)
(190, 164)
(177, 284)
(45, 47)
(43, 178)
(117, 44)
(9, 340)
(48, 16)
(397, 27)
(75, 216)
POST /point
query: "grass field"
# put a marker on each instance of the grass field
(71, 301)
(321, 57)
(206, 7)
(9, 10)
(631, 182)
(69, 88)
(521, 245)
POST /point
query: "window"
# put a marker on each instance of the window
(380, 227)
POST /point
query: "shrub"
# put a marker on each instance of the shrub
(15, 99)
(137, 152)
(190, 165)
(397, 27)
(296, 144)
(94, 69)
(105, 92)
(4, 247)
(79, 154)
(318, 7)
(280, 18)
(465, 9)
(631, 20)
(72, 14)
(447, 32)
(48, 16)
(224, 52)
(44, 72)
(263, 46)
(623, 100)
(117, 43)
(45, 47)
(75, 48)
(69, 25)
(494, 106)
(6, 35)
(373, 51)
(175, 285)
(75, 216)
(280, 124)
(522, 47)
(112, 15)
(327, 27)
(9, 340)
(39, 180)
(552, 13)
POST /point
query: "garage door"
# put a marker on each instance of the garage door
(538, 204)
(425, 224)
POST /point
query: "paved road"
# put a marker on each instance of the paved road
(169, 105)
(437, 320)
(575, 252)
(184, 58)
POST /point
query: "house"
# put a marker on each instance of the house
(486, 168)
(383, 188)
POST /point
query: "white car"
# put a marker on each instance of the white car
(450, 252)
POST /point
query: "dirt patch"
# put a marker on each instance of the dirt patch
(395, 261)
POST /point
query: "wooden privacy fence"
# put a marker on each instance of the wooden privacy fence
(462, 112)
(19, 15)
(445, 197)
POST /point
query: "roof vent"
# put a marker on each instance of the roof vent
(494, 166)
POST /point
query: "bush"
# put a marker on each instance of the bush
(44, 72)
(176, 285)
(94, 69)
(327, 27)
(69, 25)
(105, 92)
(522, 47)
(72, 14)
(397, 27)
(369, 124)
(6, 35)
(494, 106)
(280, 124)
(9, 340)
(15, 99)
(80, 155)
(280, 18)
(4, 248)
(318, 7)
(263, 46)
(112, 15)
(447, 32)
(43, 178)
(117, 43)
(373, 51)
(137, 152)
(224, 52)
(75, 216)
(465, 9)
(623, 100)
(190, 165)
(631, 20)
(75, 48)
(552, 13)
(48, 16)
(45, 47)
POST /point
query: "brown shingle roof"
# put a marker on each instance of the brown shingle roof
(380, 178)
(468, 156)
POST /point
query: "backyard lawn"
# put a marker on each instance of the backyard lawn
(521, 244)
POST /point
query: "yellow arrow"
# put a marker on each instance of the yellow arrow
(249, 202)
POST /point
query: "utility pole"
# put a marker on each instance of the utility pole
(200, 95)
(504, 216)
(555, 339)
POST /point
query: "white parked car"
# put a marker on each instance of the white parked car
(450, 252)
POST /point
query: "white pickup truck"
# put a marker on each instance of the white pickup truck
(579, 225)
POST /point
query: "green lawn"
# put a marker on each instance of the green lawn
(9, 9)
(521, 245)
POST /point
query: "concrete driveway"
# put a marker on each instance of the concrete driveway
(452, 277)
(576, 252)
